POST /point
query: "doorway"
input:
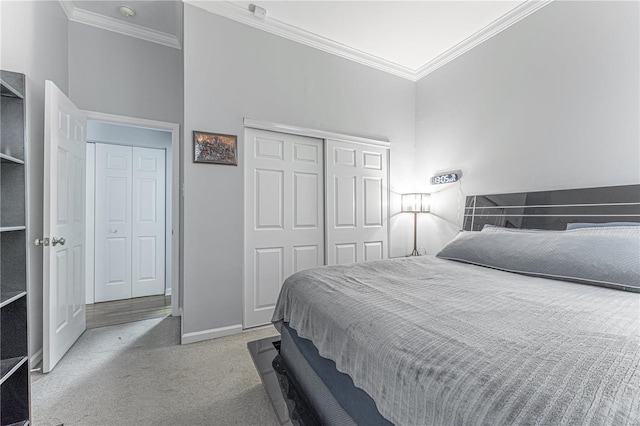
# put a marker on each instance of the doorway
(129, 216)
(129, 223)
(65, 219)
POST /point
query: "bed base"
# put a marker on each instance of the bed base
(298, 395)
(263, 352)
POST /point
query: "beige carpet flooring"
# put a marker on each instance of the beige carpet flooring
(139, 374)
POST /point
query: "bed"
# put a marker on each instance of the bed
(519, 322)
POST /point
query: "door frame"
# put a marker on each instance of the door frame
(172, 206)
(313, 133)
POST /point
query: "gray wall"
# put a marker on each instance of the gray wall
(34, 42)
(118, 74)
(549, 103)
(235, 71)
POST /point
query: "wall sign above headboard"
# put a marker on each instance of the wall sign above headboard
(448, 177)
(553, 209)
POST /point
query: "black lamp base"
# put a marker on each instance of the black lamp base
(415, 236)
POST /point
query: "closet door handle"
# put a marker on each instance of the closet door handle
(55, 241)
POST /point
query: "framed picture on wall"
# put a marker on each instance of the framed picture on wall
(215, 148)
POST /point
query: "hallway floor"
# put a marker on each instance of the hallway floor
(128, 310)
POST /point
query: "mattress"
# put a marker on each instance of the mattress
(433, 341)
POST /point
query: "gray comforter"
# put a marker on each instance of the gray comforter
(436, 342)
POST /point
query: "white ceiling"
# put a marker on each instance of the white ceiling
(407, 33)
(406, 38)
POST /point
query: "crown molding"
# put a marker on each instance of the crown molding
(505, 21)
(97, 20)
(68, 7)
(273, 26)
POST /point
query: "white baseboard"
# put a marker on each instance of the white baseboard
(167, 292)
(214, 333)
(35, 359)
(259, 327)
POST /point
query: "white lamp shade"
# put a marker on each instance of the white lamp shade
(416, 203)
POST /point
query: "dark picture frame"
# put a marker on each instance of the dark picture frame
(215, 148)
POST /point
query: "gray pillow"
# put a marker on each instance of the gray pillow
(490, 228)
(579, 225)
(605, 256)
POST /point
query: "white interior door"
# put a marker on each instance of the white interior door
(64, 317)
(129, 222)
(284, 220)
(357, 202)
(113, 228)
(148, 232)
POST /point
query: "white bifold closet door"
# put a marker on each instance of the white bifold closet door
(129, 222)
(357, 202)
(284, 220)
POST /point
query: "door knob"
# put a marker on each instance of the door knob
(55, 241)
(41, 242)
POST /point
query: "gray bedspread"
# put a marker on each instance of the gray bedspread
(436, 342)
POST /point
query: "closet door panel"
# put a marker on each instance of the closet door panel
(306, 257)
(269, 268)
(345, 201)
(113, 222)
(305, 200)
(148, 224)
(373, 201)
(357, 202)
(269, 199)
(373, 250)
(284, 220)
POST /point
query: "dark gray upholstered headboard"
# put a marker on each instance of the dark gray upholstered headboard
(553, 209)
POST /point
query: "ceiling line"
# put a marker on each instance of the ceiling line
(240, 14)
(271, 25)
(505, 21)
